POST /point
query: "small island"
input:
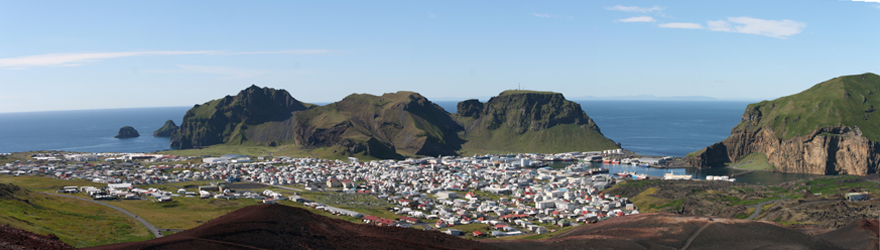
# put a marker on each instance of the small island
(127, 132)
(166, 130)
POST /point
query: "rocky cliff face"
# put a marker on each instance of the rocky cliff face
(166, 130)
(836, 150)
(827, 129)
(226, 120)
(531, 121)
(127, 132)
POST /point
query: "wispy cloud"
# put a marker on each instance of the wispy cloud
(636, 9)
(431, 15)
(681, 25)
(543, 15)
(747, 25)
(14, 96)
(229, 73)
(638, 19)
(77, 59)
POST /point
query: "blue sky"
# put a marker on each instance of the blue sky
(65, 55)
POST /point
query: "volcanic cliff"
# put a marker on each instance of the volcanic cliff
(225, 120)
(392, 125)
(529, 121)
(830, 128)
(166, 130)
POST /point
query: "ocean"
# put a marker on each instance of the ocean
(660, 128)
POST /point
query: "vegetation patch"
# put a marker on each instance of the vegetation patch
(754, 161)
(78, 223)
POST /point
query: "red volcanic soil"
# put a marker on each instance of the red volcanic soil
(284, 227)
(14, 238)
(862, 234)
(667, 231)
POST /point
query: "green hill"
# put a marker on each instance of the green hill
(842, 101)
(387, 126)
(225, 120)
(78, 223)
(391, 126)
(830, 128)
(529, 121)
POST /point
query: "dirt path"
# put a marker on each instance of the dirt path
(758, 208)
(694, 236)
(149, 226)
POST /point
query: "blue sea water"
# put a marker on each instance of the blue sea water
(661, 128)
(86, 130)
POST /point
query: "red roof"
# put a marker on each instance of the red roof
(477, 233)
(408, 218)
(370, 217)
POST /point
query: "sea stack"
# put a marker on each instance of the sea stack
(166, 130)
(127, 132)
(830, 129)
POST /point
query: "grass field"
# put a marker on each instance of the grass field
(361, 203)
(78, 223)
(754, 161)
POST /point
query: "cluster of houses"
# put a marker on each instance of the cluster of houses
(496, 190)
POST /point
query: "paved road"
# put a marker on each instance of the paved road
(281, 187)
(759, 207)
(149, 226)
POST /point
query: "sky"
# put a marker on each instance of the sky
(72, 55)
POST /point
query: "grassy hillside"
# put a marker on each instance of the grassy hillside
(78, 223)
(846, 101)
(560, 138)
(406, 120)
(529, 121)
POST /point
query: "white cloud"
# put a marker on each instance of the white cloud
(76, 59)
(636, 9)
(543, 15)
(772, 28)
(638, 19)
(229, 73)
(681, 25)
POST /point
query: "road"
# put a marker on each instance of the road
(149, 226)
(281, 187)
(759, 207)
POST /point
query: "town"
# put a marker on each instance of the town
(508, 194)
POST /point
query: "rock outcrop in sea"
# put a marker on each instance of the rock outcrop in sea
(830, 128)
(127, 132)
(166, 130)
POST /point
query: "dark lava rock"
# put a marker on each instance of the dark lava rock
(166, 130)
(14, 238)
(127, 132)
(284, 227)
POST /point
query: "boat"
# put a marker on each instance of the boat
(671, 176)
(625, 173)
(615, 161)
(639, 176)
(593, 171)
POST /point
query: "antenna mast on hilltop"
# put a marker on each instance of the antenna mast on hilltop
(518, 86)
